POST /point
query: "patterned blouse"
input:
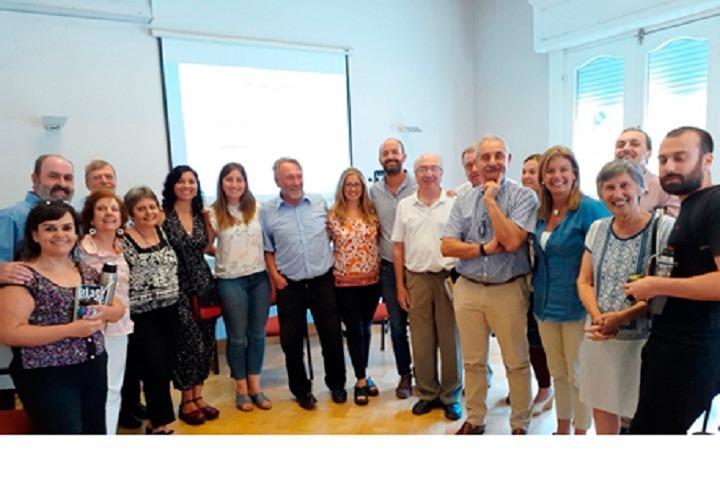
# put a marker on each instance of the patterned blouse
(356, 251)
(153, 274)
(239, 247)
(55, 305)
(194, 273)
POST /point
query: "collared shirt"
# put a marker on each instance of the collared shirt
(297, 236)
(655, 197)
(418, 227)
(386, 204)
(463, 188)
(469, 222)
(12, 226)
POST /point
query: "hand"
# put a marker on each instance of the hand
(102, 313)
(403, 297)
(280, 282)
(642, 289)
(493, 246)
(450, 193)
(491, 190)
(14, 273)
(594, 333)
(85, 327)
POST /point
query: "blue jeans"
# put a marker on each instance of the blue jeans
(245, 303)
(398, 318)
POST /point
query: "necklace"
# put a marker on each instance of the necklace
(556, 212)
(147, 242)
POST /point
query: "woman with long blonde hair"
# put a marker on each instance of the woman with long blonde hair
(354, 229)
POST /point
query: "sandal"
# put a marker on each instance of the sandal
(372, 387)
(194, 417)
(243, 402)
(361, 395)
(261, 401)
(210, 412)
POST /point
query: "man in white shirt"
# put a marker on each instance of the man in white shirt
(420, 272)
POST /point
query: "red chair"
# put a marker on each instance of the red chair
(381, 318)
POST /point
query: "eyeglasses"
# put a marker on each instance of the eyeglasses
(353, 185)
(423, 169)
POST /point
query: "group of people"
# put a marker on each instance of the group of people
(613, 299)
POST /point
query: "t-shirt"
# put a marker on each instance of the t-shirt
(695, 241)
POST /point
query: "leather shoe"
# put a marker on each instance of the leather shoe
(307, 401)
(211, 413)
(193, 417)
(453, 411)
(404, 387)
(424, 406)
(468, 428)
(339, 396)
(519, 431)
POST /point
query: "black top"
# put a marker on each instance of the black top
(695, 240)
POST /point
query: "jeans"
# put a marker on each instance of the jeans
(357, 306)
(398, 318)
(245, 302)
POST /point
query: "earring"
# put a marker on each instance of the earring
(120, 232)
(92, 231)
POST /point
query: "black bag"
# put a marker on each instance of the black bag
(206, 304)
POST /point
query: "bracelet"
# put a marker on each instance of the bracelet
(483, 253)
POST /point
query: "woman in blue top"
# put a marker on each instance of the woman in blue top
(564, 218)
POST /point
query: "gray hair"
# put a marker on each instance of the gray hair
(420, 157)
(279, 161)
(136, 194)
(615, 168)
(493, 137)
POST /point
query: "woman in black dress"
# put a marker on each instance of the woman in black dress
(187, 232)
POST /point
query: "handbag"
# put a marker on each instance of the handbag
(206, 304)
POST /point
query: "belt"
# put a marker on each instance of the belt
(495, 283)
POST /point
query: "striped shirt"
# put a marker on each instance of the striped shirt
(469, 222)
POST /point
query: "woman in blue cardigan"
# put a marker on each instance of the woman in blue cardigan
(564, 218)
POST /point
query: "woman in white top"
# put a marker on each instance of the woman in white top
(243, 282)
(102, 219)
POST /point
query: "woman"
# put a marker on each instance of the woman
(243, 282)
(615, 249)
(102, 219)
(59, 365)
(154, 293)
(564, 218)
(543, 399)
(189, 236)
(354, 228)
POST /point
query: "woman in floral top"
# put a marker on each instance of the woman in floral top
(59, 365)
(354, 228)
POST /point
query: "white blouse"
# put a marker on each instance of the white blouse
(239, 248)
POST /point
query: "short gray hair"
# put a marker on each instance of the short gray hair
(279, 161)
(493, 137)
(615, 168)
(420, 157)
(136, 194)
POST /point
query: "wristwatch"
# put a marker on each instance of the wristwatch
(483, 253)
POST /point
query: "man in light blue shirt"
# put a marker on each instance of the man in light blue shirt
(488, 231)
(52, 179)
(299, 260)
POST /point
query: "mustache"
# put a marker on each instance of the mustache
(57, 188)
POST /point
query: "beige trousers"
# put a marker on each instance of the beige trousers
(561, 341)
(502, 308)
(432, 327)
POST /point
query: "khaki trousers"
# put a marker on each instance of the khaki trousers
(432, 326)
(561, 341)
(502, 308)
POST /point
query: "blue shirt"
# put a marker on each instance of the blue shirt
(297, 236)
(469, 222)
(386, 203)
(12, 226)
(558, 265)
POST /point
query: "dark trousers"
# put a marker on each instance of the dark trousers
(537, 353)
(68, 399)
(677, 383)
(357, 306)
(398, 318)
(293, 302)
(151, 351)
(130, 392)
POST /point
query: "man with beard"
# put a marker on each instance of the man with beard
(385, 194)
(635, 146)
(52, 179)
(680, 371)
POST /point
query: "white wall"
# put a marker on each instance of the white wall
(412, 65)
(511, 82)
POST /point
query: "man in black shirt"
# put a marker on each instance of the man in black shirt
(680, 372)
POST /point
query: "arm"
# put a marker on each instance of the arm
(14, 273)
(586, 288)
(509, 235)
(18, 305)
(451, 247)
(210, 248)
(705, 287)
(399, 266)
(277, 277)
(109, 313)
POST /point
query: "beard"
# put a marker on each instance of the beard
(392, 167)
(686, 184)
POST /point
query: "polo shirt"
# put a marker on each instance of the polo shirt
(386, 203)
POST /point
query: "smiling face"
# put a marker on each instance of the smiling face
(531, 175)
(233, 186)
(621, 195)
(492, 160)
(352, 188)
(392, 157)
(55, 180)
(632, 146)
(56, 237)
(103, 177)
(289, 178)
(145, 213)
(472, 172)
(428, 171)
(559, 177)
(186, 187)
(106, 215)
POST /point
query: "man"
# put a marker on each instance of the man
(488, 230)
(473, 175)
(680, 372)
(100, 174)
(52, 178)
(420, 274)
(395, 185)
(635, 146)
(299, 260)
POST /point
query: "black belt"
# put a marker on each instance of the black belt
(495, 283)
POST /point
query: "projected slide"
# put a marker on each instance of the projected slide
(225, 112)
